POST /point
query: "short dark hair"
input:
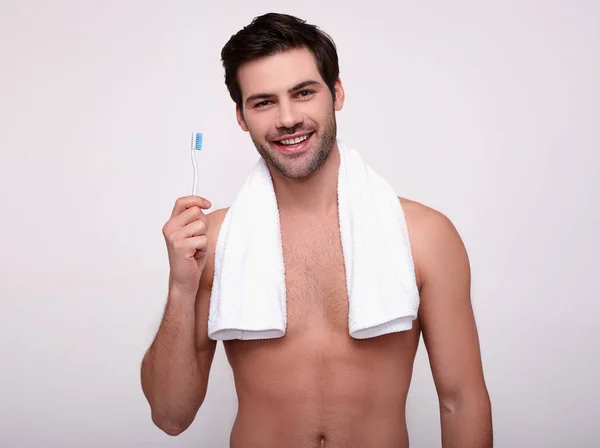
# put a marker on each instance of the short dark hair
(270, 34)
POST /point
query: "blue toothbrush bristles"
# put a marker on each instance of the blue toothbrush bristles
(197, 141)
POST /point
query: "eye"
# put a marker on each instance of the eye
(262, 104)
(305, 93)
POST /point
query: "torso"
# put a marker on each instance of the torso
(317, 386)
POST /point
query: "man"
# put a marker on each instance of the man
(316, 386)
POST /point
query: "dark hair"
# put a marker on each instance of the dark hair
(270, 34)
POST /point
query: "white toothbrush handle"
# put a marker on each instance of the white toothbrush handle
(194, 186)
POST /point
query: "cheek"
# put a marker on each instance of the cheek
(321, 112)
(261, 128)
(253, 123)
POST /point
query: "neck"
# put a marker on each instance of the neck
(315, 195)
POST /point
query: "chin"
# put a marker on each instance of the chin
(301, 166)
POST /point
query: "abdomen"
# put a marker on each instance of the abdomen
(320, 388)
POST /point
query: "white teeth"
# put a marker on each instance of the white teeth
(294, 141)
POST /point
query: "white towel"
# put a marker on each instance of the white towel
(248, 299)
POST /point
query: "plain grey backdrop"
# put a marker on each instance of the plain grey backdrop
(486, 111)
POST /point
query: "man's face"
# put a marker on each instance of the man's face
(289, 111)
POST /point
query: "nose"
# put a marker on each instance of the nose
(289, 115)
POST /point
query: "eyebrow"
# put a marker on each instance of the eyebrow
(263, 96)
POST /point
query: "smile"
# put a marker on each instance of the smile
(294, 141)
(295, 145)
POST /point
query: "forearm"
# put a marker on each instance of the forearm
(467, 423)
(171, 375)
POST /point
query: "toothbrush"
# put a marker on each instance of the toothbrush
(196, 146)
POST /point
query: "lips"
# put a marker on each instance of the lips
(293, 144)
(294, 140)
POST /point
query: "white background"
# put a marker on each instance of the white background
(486, 111)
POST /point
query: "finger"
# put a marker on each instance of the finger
(190, 246)
(173, 228)
(188, 216)
(186, 202)
(195, 228)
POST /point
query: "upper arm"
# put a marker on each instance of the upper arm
(205, 347)
(446, 314)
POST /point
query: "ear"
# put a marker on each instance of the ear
(240, 119)
(339, 95)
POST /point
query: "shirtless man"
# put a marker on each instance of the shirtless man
(316, 386)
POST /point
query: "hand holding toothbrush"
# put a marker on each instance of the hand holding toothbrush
(186, 237)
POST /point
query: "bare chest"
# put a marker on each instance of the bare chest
(315, 276)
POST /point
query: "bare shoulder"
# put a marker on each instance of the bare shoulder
(424, 219)
(204, 345)
(434, 239)
(215, 220)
